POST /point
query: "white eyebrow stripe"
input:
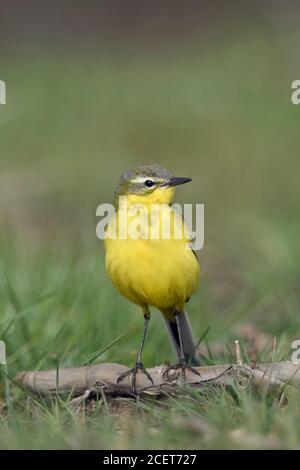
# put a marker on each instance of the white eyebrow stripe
(142, 179)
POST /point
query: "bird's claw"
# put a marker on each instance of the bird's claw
(180, 365)
(138, 366)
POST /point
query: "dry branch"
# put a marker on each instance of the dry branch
(96, 379)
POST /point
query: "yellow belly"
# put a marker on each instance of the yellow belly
(162, 273)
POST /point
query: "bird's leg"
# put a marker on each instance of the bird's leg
(138, 365)
(182, 362)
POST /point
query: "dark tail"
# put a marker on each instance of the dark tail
(189, 345)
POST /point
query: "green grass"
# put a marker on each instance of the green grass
(74, 121)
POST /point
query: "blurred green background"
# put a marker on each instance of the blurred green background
(93, 89)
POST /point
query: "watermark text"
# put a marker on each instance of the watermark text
(295, 96)
(2, 92)
(152, 221)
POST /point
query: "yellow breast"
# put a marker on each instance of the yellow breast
(159, 272)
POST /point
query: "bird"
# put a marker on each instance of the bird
(156, 271)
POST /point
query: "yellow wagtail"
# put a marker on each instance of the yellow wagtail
(154, 271)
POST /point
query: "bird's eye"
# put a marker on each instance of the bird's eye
(149, 183)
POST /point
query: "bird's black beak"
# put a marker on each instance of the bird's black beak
(175, 181)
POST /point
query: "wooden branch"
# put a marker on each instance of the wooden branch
(102, 378)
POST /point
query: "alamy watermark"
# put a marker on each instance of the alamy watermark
(295, 96)
(154, 222)
(2, 92)
(2, 353)
(296, 354)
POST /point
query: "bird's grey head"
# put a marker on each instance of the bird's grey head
(146, 178)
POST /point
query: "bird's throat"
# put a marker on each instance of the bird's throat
(159, 196)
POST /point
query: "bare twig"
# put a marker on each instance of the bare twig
(102, 378)
(238, 353)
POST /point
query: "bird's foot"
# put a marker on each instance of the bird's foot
(169, 373)
(138, 366)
